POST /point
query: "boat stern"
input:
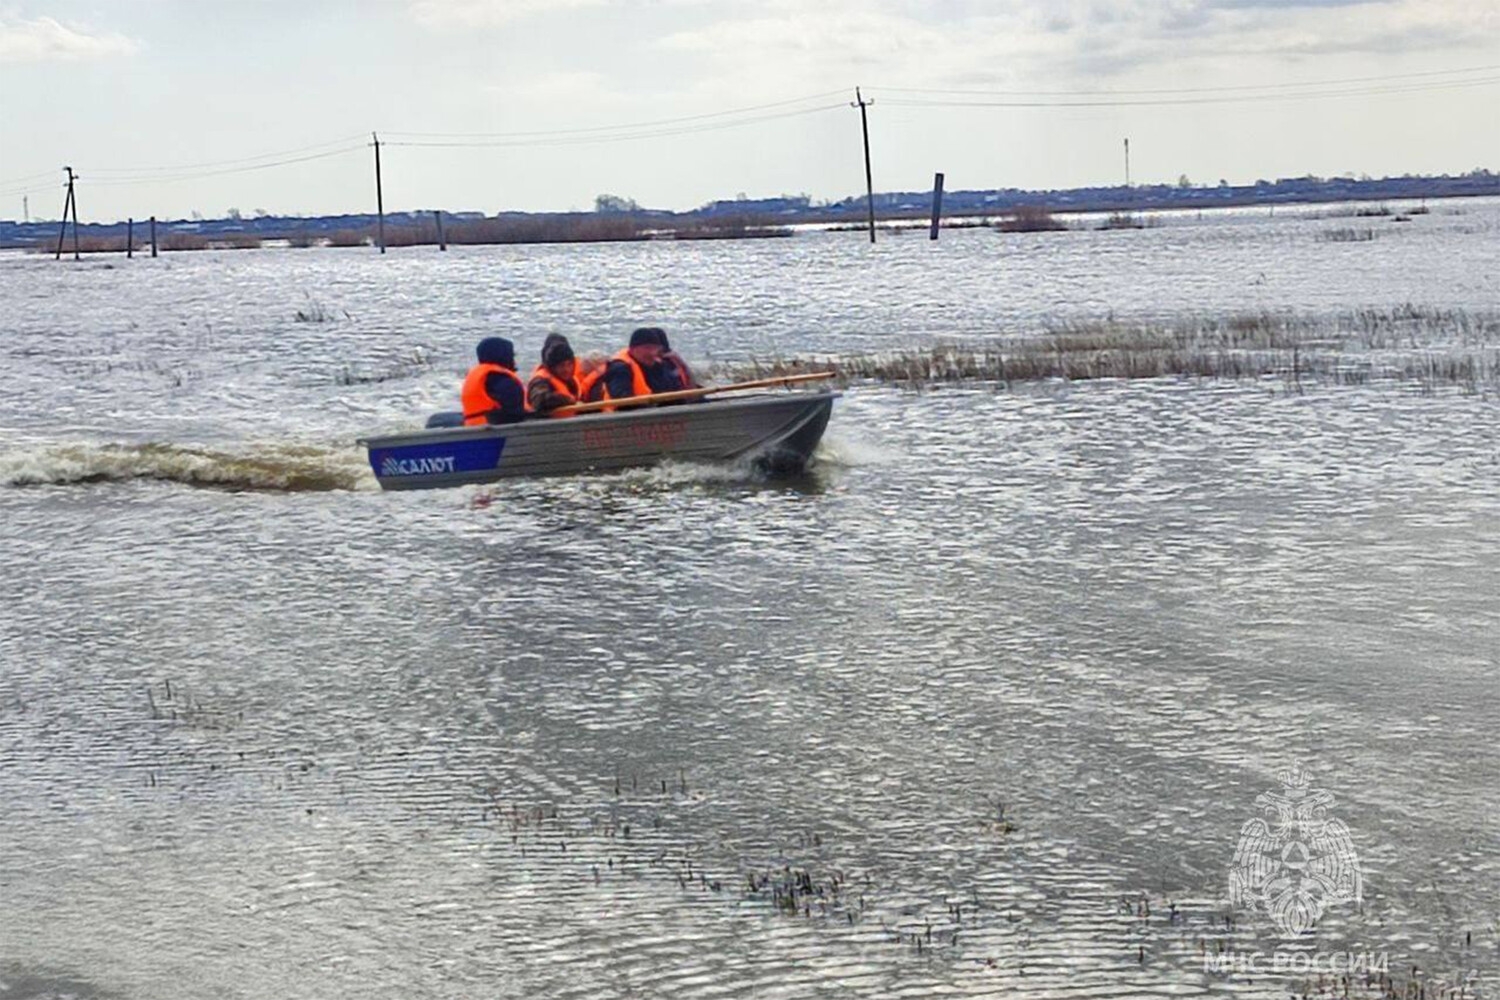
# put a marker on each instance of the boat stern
(400, 462)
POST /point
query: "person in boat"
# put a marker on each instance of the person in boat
(554, 384)
(674, 360)
(493, 393)
(638, 370)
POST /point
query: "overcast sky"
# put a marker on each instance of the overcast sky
(160, 104)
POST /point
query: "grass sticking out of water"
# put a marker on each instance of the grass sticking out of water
(1030, 219)
(418, 362)
(1426, 347)
(1346, 235)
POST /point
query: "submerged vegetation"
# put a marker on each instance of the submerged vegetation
(577, 228)
(1122, 220)
(1346, 235)
(1030, 219)
(1409, 344)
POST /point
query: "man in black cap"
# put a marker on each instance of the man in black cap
(554, 384)
(635, 371)
(493, 393)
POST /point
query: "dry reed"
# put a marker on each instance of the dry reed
(1429, 348)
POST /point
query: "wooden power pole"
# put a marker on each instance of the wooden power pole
(864, 124)
(937, 204)
(70, 203)
(379, 198)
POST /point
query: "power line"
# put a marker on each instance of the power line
(39, 175)
(17, 192)
(625, 127)
(118, 182)
(1196, 90)
(186, 167)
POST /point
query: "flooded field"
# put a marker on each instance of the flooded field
(979, 707)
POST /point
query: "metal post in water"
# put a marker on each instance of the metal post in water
(153, 236)
(937, 203)
(442, 240)
(129, 238)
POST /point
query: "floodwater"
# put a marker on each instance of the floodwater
(980, 706)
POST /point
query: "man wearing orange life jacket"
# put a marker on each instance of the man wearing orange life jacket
(629, 373)
(493, 393)
(554, 384)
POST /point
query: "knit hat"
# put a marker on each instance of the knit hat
(496, 351)
(649, 335)
(556, 350)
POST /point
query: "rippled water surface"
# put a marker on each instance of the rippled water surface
(995, 686)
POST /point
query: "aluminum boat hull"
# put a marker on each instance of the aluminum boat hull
(775, 431)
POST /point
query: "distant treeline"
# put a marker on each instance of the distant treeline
(740, 218)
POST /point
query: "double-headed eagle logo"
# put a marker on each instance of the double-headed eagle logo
(1295, 861)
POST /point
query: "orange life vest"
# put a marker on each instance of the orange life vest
(638, 384)
(476, 399)
(570, 389)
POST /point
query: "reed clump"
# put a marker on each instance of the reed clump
(736, 227)
(1122, 220)
(1030, 219)
(1409, 344)
(97, 244)
(418, 363)
(579, 228)
(1345, 235)
(184, 241)
(348, 238)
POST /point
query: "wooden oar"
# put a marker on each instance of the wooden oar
(681, 394)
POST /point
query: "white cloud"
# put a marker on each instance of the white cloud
(44, 38)
(487, 13)
(1030, 41)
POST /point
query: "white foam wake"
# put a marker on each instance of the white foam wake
(269, 467)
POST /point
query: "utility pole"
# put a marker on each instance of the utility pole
(26, 208)
(1127, 164)
(379, 198)
(864, 124)
(70, 202)
(937, 204)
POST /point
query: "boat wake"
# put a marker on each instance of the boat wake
(268, 468)
(286, 468)
(843, 450)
